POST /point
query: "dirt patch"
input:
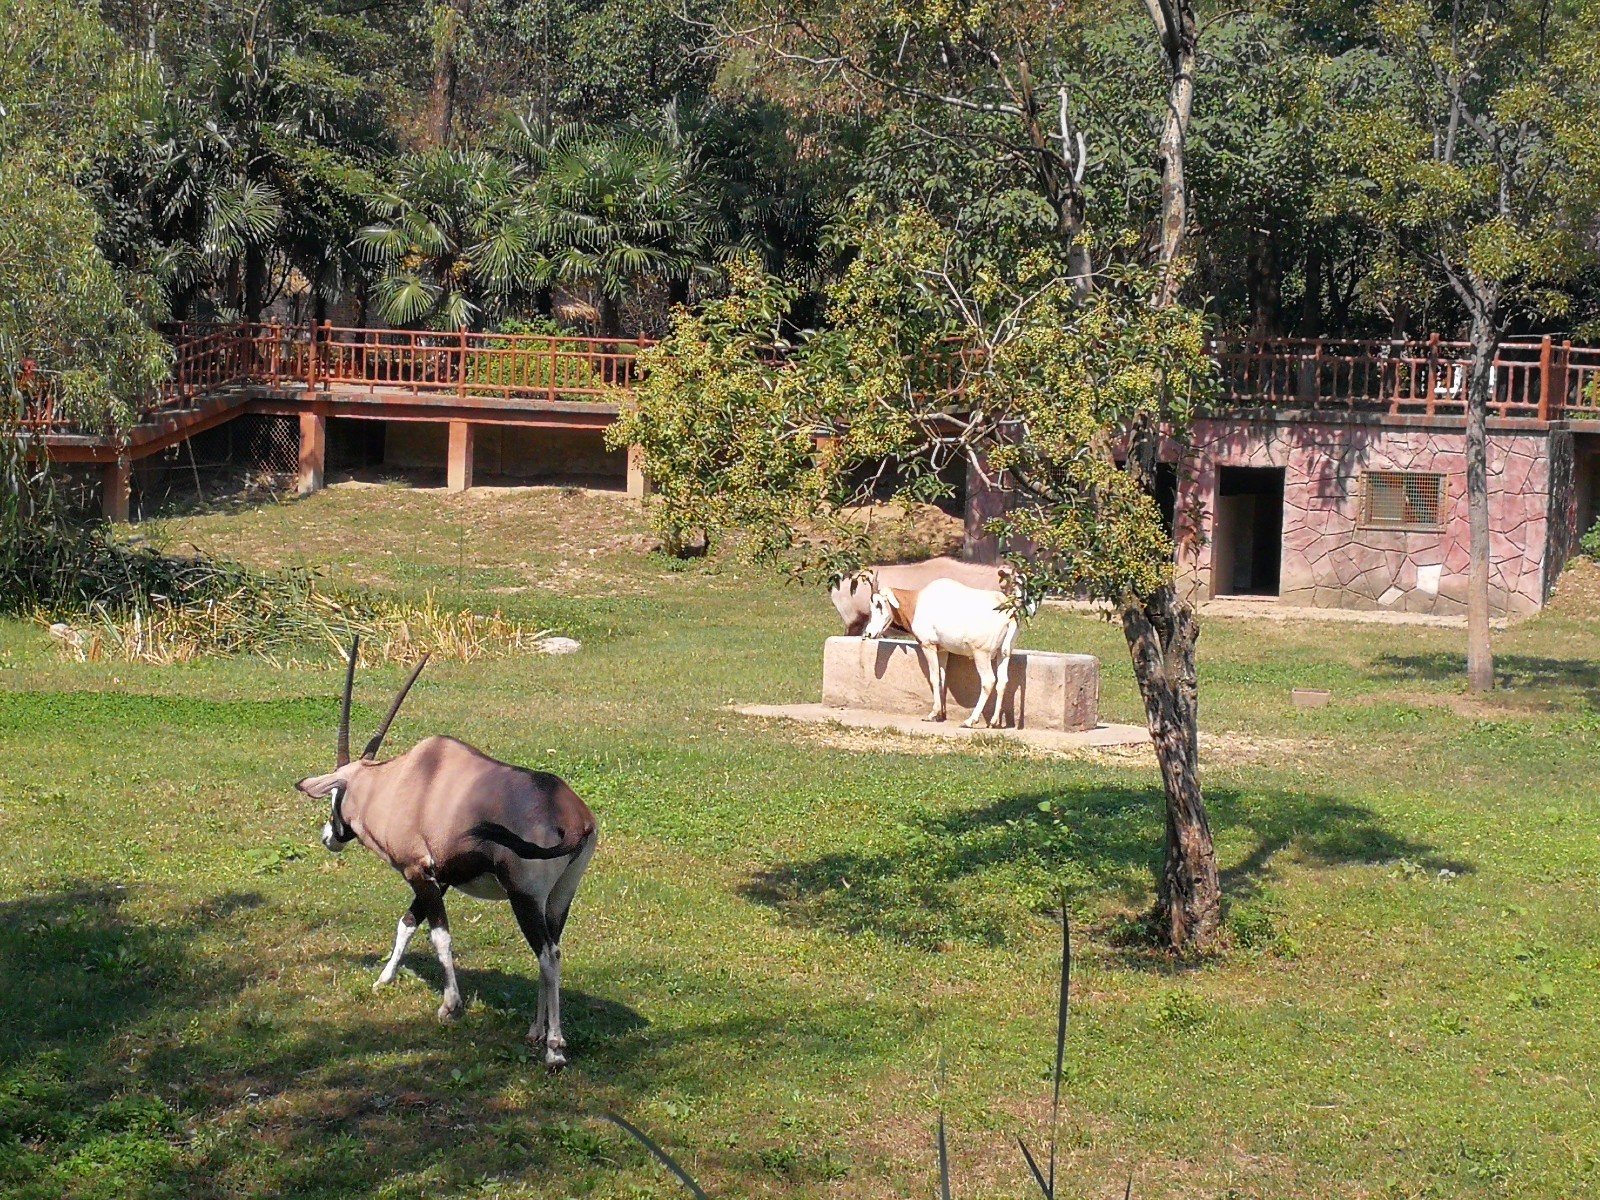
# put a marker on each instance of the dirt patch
(1577, 591)
(899, 534)
(887, 741)
(1216, 749)
(1239, 750)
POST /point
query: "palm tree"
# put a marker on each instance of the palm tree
(457, 237)
(250, 163)
(620, 208)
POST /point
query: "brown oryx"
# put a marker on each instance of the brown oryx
(852, 594)
(447, 816)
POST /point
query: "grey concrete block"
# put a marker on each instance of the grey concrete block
(1047, 690)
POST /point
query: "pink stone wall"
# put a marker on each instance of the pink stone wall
(1328, 561)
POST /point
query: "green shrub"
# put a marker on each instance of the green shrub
(526, 366)
(1589, 543)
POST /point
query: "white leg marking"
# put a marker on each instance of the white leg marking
(451, 1008)
(402, 937)
(550, 1002)
(540, 1029)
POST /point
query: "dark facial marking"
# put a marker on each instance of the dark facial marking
(342, 832)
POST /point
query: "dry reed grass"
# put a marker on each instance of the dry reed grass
(286, 621)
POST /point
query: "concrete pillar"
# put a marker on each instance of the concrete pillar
(116, 484)
(313, 451)
(458, 471)
(639, 485)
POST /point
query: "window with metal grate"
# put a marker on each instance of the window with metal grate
(1402, 500)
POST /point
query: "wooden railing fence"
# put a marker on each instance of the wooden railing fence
(1541, 379)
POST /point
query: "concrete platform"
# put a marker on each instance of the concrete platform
(1046, 691)
(860, 718)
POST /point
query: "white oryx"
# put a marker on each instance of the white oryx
(947, 617)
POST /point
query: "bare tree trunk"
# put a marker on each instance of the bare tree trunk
(1179, 33)
(255, 282)
(1161, 631)
(610, 315)
(1480, 655)
(1311, 298)
(446, 74)
(1162, 634)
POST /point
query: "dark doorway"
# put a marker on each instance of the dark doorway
(1247, 533)
(1167, 496)
(1586, 481)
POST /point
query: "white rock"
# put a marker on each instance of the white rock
(559, 645)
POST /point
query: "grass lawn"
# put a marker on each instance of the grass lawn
(795, 943)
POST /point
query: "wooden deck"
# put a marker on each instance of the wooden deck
(467, 380)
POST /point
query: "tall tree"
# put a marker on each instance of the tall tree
(248, 165)
(74, 330)
(1160, 627)
(73, 327)
(1064, 364)
(1481, 164)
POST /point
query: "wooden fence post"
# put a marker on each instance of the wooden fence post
(1546, 380)
(461, 370)
(1563, 380)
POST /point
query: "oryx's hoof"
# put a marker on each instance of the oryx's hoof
(449, 1013)
(970, 724)
(535, 1036)
(934, 717)
(555, 1056)
(382, 981)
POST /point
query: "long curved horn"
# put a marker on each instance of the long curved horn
(343, 754)
(373, 746)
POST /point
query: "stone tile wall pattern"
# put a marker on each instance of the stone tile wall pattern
(1328, 561)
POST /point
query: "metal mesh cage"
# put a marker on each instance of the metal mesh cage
(1402, 500)
(269, 446)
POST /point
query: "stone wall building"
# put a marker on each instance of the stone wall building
(1372, 513)
(1334, 475)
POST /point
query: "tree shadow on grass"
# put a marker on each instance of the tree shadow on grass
(1510, 670)
(159, 1057)
(976, 873)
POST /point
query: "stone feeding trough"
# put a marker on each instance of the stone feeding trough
(1052, 699)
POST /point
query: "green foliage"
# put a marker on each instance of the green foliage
(1589, 543)
(715, 423)
(72, 334)
(750, 439)
(457, 237)
(67, 328)
(621, 208)
(1479, 161)
(249, 162)
(529, 365)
